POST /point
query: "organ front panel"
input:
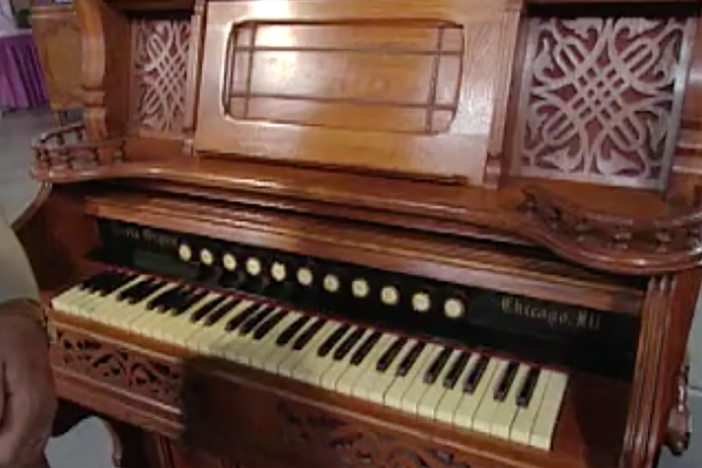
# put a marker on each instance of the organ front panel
(432, 234)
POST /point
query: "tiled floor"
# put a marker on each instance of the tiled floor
(88, 445)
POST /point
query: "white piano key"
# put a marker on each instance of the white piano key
(368, 377)
(283, 352)
(99, 308)
(349, 378)
(488, 405)
(337, 368)
(243, 348)
(267, 344)
(393, 396)
(415, 392)
(205, 341)
(450, 401)
(429, 404)
(181, 327)
(314, 367)
(468, 407)
(384, 380)
(526, 417)
(542, 432)
(298, 358)
(230, 342)
(507, 410)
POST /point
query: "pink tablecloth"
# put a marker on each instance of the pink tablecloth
(21, 80)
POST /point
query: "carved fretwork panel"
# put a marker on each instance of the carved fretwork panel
(116, 366)
(601, 99)
(346, 444)
(160, 62)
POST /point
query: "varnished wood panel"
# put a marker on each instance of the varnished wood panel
(58, 43)
(412, 88)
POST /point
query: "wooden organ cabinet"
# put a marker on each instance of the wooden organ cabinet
(383, 233)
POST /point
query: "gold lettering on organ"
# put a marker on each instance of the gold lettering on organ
(573, 318)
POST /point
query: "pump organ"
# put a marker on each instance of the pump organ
(428, 233)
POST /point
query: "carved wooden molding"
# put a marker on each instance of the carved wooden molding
(665, 324)
(610, 242)
(601, 99)
(346, 444)
(117, 366)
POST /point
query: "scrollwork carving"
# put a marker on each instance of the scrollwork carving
(611, 242)
(354, 445)
(680, 424)
(601, 100)
(117, 366)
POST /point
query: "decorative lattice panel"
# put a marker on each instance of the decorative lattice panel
(160, 59)
(601, 99)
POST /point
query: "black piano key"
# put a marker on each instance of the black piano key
(111, 283)
(505, 382)
(145, 292)
(476, 374)
(102, 281)
(360, 354)
(292, 330)
(527, 390)
(162, 301)
(390, 355)
(348, 343)
(120, 282)
(437, 366)
(308, 334)
(333, 339)
(236, 322)
(90, 283)
(178, 299)
(409, 360)
(253, 322)
(127, 293)
(189, 302)
(269, 324)
(456, 370)
(206, 308)
(221, 311)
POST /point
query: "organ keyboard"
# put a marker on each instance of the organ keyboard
(472, 390)
(376, 233)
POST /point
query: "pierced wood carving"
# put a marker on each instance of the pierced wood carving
(352, 445)
(116, 366)
(391, 77)
(160, 65)
(68, 148)
(601, 99)
(606, 241)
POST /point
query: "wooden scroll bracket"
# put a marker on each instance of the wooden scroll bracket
(680, 422)
(613, 243)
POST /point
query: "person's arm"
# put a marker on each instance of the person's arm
(27, 400)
